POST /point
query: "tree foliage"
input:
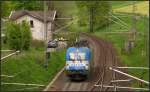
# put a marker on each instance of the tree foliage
(101, 11)
(26, 35)
(28, 5)
(8, 6)
(18, 36)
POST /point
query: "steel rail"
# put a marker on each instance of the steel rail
(104, 65)
(101, 79)
(100, 72)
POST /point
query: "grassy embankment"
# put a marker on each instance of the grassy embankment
(120, 4)
(28, 67)
(142, 7)
(139, 54)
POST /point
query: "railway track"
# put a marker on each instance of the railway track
(103, 58)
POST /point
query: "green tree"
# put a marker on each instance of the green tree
(8, 6)
(18, 35)
(26, 35)
(14, 36)
(28, 5)
(99, 9)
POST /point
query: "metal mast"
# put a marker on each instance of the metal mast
(45, 33)
(91, 19)
(133, 30)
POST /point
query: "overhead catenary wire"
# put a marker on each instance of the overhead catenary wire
(119, 24)
(57, 30)
(120, 20)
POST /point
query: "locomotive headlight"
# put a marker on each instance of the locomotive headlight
(86, 66)
(67, 64)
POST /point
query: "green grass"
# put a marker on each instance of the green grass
(29, 68)
(119, 4)
(135, 58)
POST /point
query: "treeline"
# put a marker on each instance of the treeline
(83, 10)
(79, 9)
(93, 13)
(8, 6)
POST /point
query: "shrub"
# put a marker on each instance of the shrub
(37, 44)
(14, 36)
(26, 35)
(18, 35)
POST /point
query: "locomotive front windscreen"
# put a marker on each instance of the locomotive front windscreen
(77, 54)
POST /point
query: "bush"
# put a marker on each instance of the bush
(14, 36)
(26, 35)
(37, 44)
(18, 35)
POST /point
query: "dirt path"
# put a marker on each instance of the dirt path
(104, 56)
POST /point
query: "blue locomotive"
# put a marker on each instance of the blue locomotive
(78, 62)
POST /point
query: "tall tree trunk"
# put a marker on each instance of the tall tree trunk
(91, 19)
(50, 5)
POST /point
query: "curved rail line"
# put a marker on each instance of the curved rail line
(104, 57)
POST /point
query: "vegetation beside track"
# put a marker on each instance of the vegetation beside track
(28, 66)
(120, 4)
(138, 57)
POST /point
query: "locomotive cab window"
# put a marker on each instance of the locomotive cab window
(31, 23)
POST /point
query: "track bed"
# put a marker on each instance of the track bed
(104, 56)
